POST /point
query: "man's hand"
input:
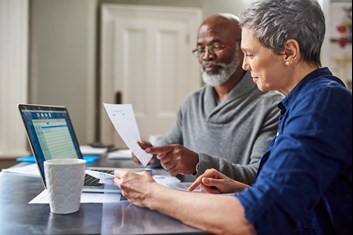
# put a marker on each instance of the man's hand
(143, 145)
(212, 181)
(176, 159)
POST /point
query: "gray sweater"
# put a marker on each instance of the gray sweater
(230, 136)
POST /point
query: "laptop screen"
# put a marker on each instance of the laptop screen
(50, 133)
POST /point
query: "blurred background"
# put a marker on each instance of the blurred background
(83, 53)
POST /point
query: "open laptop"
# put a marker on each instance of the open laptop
(51, 136)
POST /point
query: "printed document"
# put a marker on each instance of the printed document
(123, 118)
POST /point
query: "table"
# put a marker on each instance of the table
(19, 217)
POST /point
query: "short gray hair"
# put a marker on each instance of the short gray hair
(276, 21)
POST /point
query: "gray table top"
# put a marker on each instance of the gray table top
(19, 217)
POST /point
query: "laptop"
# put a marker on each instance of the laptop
(51, 136)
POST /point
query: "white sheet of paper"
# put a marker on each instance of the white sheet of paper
(123, 118)
(43, 198)
(28, 170)
(86, 149)
(165, 180)
(121, 154)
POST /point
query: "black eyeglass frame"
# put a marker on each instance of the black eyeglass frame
(214, 49)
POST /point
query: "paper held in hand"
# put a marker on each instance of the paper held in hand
(123, 118)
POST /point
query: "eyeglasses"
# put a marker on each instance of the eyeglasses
(212, 49)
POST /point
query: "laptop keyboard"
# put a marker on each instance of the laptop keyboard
(93, 181)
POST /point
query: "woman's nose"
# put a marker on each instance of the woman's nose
(245, 65)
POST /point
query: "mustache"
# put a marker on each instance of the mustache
(212, 63)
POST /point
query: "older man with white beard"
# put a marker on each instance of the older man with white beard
(228, 122)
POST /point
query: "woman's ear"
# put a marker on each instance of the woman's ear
(291, 51)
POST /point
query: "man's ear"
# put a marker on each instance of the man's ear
(291, 51)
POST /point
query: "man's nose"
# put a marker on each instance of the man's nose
(208, 55)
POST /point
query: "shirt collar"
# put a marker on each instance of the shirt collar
(301, 86)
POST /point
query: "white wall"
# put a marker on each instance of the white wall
(13, 75)
(63, 60)
(226, 6)
(208, 6)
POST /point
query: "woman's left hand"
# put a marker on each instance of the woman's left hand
(134, 186)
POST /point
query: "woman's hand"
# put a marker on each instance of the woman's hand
(134, 186)
(213, 181)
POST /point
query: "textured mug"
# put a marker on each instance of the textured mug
(64, 180)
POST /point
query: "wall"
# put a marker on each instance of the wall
(13, 75)
(208, 6)
(63, 59)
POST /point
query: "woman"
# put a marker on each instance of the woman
(304, 182)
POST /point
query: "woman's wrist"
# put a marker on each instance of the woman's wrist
(150, 200)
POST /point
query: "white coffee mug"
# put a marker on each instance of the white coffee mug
(64, 180)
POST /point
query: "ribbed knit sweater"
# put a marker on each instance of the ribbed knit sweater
(230, 136)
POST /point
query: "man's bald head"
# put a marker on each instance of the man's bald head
(223, 23)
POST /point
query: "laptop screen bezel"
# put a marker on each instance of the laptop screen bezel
(32, 135)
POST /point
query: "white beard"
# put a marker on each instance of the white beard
(226, 71)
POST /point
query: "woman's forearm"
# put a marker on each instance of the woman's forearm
(217, 214)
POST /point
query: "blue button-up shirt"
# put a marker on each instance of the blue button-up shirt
(304, 182)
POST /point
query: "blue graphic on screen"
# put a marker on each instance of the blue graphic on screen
(52, 135)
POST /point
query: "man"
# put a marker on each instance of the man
(228, 122)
